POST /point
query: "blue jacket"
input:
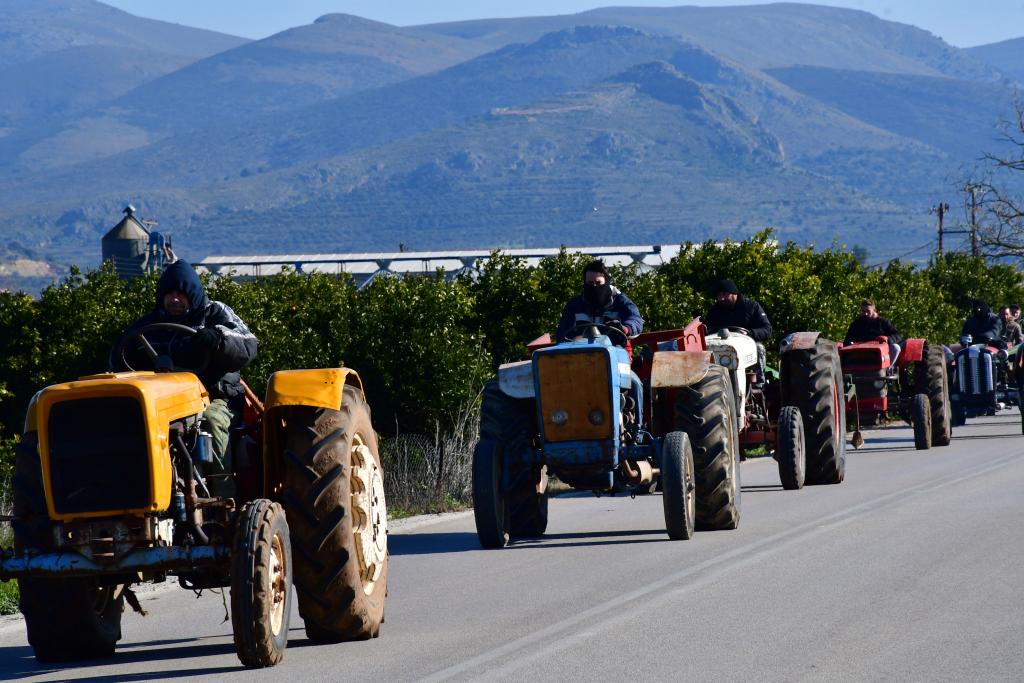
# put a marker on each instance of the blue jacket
(619, 308)
(236, 347)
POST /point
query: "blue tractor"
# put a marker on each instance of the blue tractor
(601, 421)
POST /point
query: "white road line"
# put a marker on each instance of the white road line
(547, 640)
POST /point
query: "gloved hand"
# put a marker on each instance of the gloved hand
(207, 339)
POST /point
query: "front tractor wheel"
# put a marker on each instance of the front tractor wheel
(921, 419)
(261, 584)
(334, 497)
(790, 451)
(678, 486)
(490, 511)
(66, 619)
(706, 411)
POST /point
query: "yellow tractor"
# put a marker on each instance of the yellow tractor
(110, 491)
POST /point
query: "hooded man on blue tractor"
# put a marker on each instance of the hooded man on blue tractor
(187, 331)
(601, 304)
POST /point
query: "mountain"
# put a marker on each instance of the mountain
(335, 56)
(618, 124)
(1007, 56)
(762, 36)
(58, 57)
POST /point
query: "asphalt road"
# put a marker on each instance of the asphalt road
(913, 569)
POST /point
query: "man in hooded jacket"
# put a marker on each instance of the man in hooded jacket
(983, 325)
(732, 309)
(222, 343)
(600, 303)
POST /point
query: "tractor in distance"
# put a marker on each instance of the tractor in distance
(984, 378)
(915, 388)
(798, 412)
(111, 488)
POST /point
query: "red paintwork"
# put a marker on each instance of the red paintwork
(869, 356)
(541, 342)
(690, 338)
(913, 352)
(869, 406)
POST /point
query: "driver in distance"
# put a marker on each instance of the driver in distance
(732, 309)
(602, 304)
(221, 347)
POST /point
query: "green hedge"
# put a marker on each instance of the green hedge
(424, 345)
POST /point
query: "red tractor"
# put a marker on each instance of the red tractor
(914, 389)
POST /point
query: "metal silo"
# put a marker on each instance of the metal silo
(127, 245)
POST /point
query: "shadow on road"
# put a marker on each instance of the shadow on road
(757, 488)
(18, 662)
(429, 544)
(586, 539)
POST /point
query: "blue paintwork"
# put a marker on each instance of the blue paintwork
(73, 564)
(601, 454)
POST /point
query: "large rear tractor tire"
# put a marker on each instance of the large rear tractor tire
(334, 498)
(706, 411)
(261, 584)
(521, 510)
(678, 485)
(790, 450)
(813, 382)
(935, 383)
(921, 419)
(66, 619)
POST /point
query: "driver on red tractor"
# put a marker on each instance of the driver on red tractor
(983, 327)
(732, 309)
(223, 343)
(869, 326)
(601, 304)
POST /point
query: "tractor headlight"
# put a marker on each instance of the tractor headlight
(595, 416)
(559, 417)
(726, 361)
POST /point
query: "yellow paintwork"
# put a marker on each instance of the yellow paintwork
(165, 397)
(320, 388)
(576, 383)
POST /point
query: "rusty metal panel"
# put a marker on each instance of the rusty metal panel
(673, 369)
(799, 340)
(577, 383)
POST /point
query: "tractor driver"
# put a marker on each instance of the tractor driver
(983, 327)
(221, 347)
(732, 309)
(602, 304)
(869, 325)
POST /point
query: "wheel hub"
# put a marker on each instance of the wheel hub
(278, 585)
(369, 514)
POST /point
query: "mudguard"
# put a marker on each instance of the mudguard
(798, 341)
(912, 352)
(516, 379)
(675, 369)
(319, 388)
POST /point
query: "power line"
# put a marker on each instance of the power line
(903, 255)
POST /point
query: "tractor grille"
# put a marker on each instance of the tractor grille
(99, 458)
(576, 384)
(974, 371)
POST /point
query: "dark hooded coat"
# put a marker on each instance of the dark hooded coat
(983, 325)
(236, 345)
(747, 313)
(620, 307)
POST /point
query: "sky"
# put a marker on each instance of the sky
(963, 23)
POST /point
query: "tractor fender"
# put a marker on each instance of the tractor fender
(319, 388)
(798, 341)
(675, 369)
(912, 352)
(516, 379)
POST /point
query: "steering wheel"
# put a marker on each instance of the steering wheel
(616, 334)
(733, 328)
(150, 352)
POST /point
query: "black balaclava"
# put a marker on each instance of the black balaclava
(980, 308)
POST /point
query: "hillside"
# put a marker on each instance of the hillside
(618, 124)
(59, 57)
(1007, 56)
(762, 36)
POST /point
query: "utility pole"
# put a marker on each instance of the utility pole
(941, 210)
(974, 221)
